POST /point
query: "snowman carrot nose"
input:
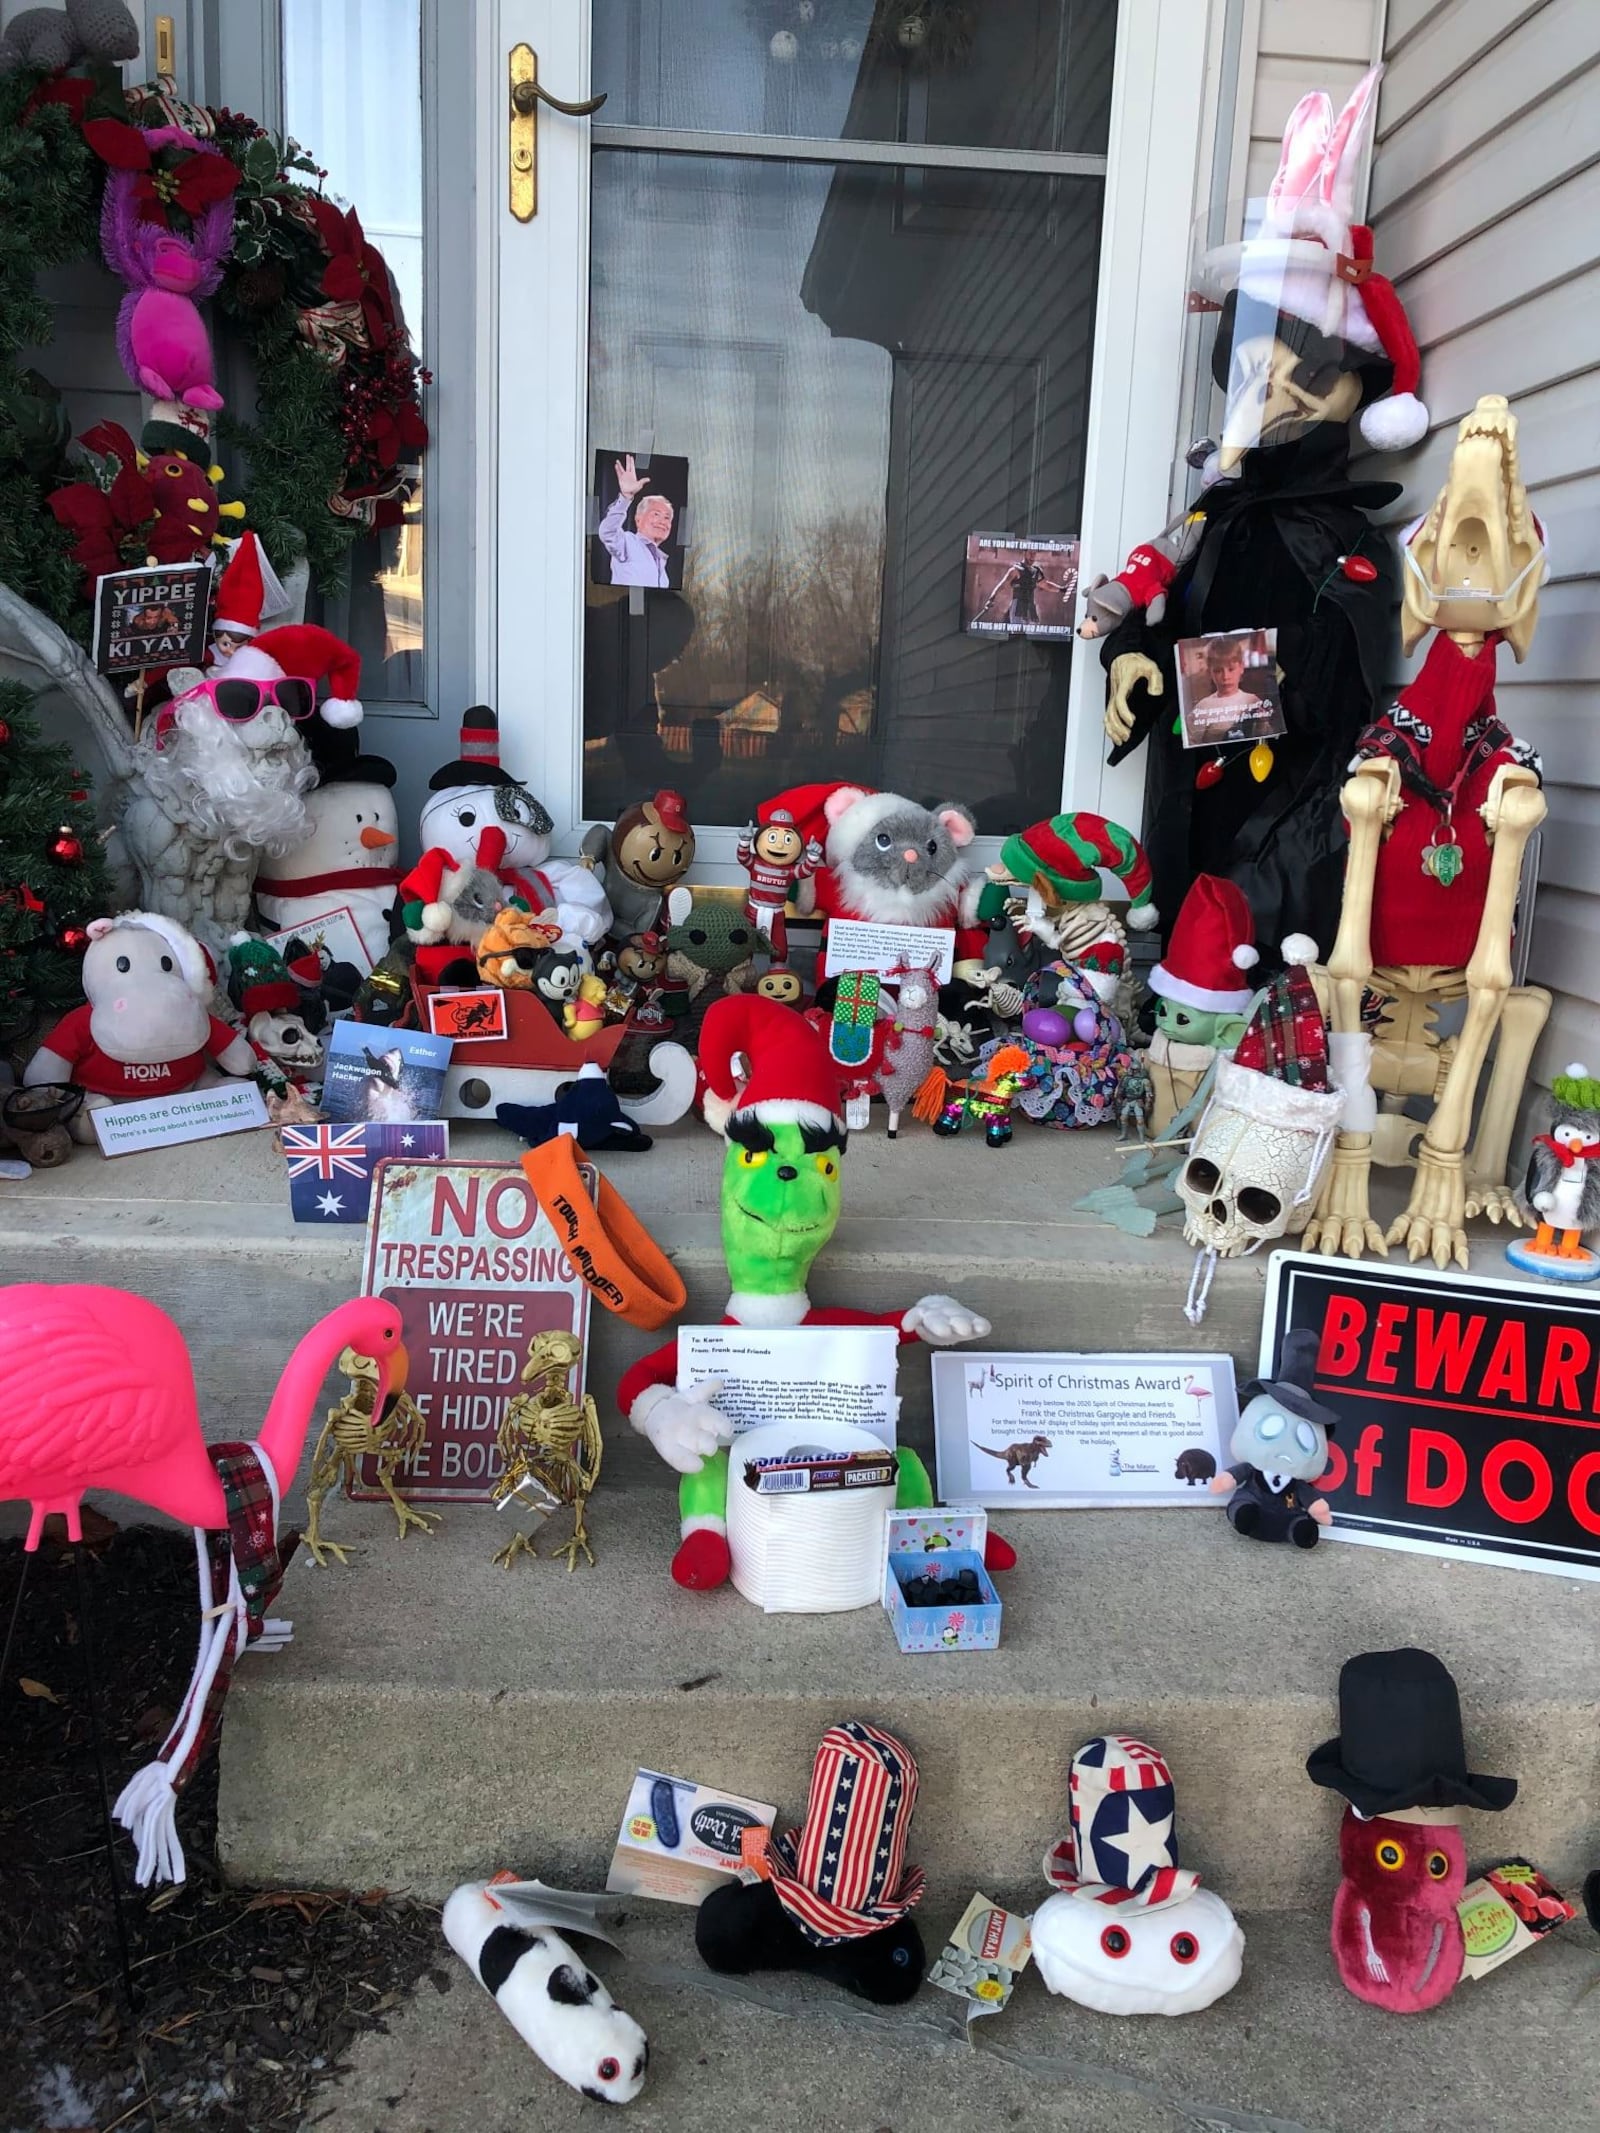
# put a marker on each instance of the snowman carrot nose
(375, 839)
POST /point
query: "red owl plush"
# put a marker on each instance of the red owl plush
(1396, 1936)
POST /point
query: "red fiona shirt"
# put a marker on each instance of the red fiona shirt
(93, 1070)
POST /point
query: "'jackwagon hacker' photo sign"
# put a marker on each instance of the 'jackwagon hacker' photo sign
(1469, 1409)
(469, 1259)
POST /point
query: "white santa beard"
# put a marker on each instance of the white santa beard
(241, 787)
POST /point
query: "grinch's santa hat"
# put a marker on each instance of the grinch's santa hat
(301, 651)
(195, 966)
(763, 1061)
(1066, 855)
(249, 591)
(1212, 946)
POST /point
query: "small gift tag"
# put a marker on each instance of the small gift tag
(1443, 858)
(985, 1955)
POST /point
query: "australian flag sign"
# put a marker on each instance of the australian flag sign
(330, 1167)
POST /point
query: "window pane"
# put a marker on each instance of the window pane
(352, 96)
(861, 365)
(1030, 74)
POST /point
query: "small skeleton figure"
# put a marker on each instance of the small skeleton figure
(353, 1433)
(551, 1445)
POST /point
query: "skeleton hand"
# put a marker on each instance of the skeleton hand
(1498, 1202)
(941, 1322)
(1343, 1225)
(685, 1427)
(1127, 671)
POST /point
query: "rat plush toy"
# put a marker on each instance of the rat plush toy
(835, 1896)
(1280, 1448)
(889, 859)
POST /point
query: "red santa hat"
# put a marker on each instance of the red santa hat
(241, 591)
(1102, 964)
(1398, 420)
(306, 653)
(762, 1060)
(1212, 945)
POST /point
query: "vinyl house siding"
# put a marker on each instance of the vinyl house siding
(1485, 202)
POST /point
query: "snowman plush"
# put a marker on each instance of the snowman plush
(479, 820)
(350, 856)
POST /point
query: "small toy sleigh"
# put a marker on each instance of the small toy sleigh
(535, 1059)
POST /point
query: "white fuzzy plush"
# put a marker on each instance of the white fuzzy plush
(940, 902)
(556, 2005)
(1154, 1973)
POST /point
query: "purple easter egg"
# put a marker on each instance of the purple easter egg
(1044, 1026)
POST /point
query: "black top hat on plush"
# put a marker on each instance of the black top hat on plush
(1400, 1742)
(479, 760)
(337, 754)
(1296, 1374)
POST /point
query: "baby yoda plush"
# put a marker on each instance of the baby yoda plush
(1280, 1448)
(713, 940)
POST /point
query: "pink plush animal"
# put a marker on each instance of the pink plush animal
(161, 338)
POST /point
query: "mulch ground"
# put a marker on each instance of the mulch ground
(246, 2002)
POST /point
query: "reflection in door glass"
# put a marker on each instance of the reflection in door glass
(861, 365)
(1032, 74)
(352, 92)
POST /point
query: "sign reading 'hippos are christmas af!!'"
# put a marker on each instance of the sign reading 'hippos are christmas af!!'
(467, 1256)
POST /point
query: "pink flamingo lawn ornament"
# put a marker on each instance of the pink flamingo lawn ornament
(101, 1395)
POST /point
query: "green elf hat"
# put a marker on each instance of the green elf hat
(1577, 1088)
(1065, 856)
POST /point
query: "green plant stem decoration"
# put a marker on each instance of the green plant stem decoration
(53, 875)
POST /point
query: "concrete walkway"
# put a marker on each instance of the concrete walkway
(1288, 2051)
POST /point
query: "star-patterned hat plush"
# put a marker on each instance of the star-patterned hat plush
(1122, 1847)
(843, 1874)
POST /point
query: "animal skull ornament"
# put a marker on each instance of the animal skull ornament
(1256, 1161)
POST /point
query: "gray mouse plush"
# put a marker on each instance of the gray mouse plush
(895, 861)
(90, 29)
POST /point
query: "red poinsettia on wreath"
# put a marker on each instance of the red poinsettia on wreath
(169, 177)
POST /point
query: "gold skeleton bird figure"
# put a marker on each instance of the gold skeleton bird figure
(551, 1445)
(1441, 806)
(352, 1433)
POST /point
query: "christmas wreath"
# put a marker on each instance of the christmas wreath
(209, 202)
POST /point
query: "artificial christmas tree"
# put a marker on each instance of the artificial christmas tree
(53, 876)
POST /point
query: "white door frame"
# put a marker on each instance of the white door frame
(532, 385)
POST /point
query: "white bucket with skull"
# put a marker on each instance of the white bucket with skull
(1254, 1168)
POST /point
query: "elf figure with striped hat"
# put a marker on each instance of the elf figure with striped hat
(1058, 865)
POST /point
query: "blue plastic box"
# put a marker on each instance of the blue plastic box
(938, 1544)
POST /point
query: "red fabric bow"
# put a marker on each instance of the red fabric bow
(191, 183)
(1586, 1152)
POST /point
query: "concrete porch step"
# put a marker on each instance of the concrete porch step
(436, 1716)
(1288, 2050)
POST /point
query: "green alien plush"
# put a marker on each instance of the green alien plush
(773, 1091)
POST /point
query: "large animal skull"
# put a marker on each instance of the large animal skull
(1256, 1161)
(1476, 561)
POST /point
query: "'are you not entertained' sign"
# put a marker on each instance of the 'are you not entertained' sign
(1469, 1408)
(469, 1259)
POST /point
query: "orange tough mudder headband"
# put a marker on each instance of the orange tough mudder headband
(619, 1261)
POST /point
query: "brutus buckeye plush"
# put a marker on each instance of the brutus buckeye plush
(889, 859)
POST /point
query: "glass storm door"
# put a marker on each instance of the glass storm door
(819, 294)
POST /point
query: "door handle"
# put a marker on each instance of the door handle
(527, 94)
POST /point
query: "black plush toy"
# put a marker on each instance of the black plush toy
(837, 1895)
(587, 1105)
(1280, 1447)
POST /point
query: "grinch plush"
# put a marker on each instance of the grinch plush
(773, 1092)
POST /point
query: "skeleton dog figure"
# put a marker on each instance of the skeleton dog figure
(1440, 809)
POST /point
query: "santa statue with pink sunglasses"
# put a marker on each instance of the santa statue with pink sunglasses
(223, 780)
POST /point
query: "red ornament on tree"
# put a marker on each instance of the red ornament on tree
(5, 734)
(66, 848)
(72, 939)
